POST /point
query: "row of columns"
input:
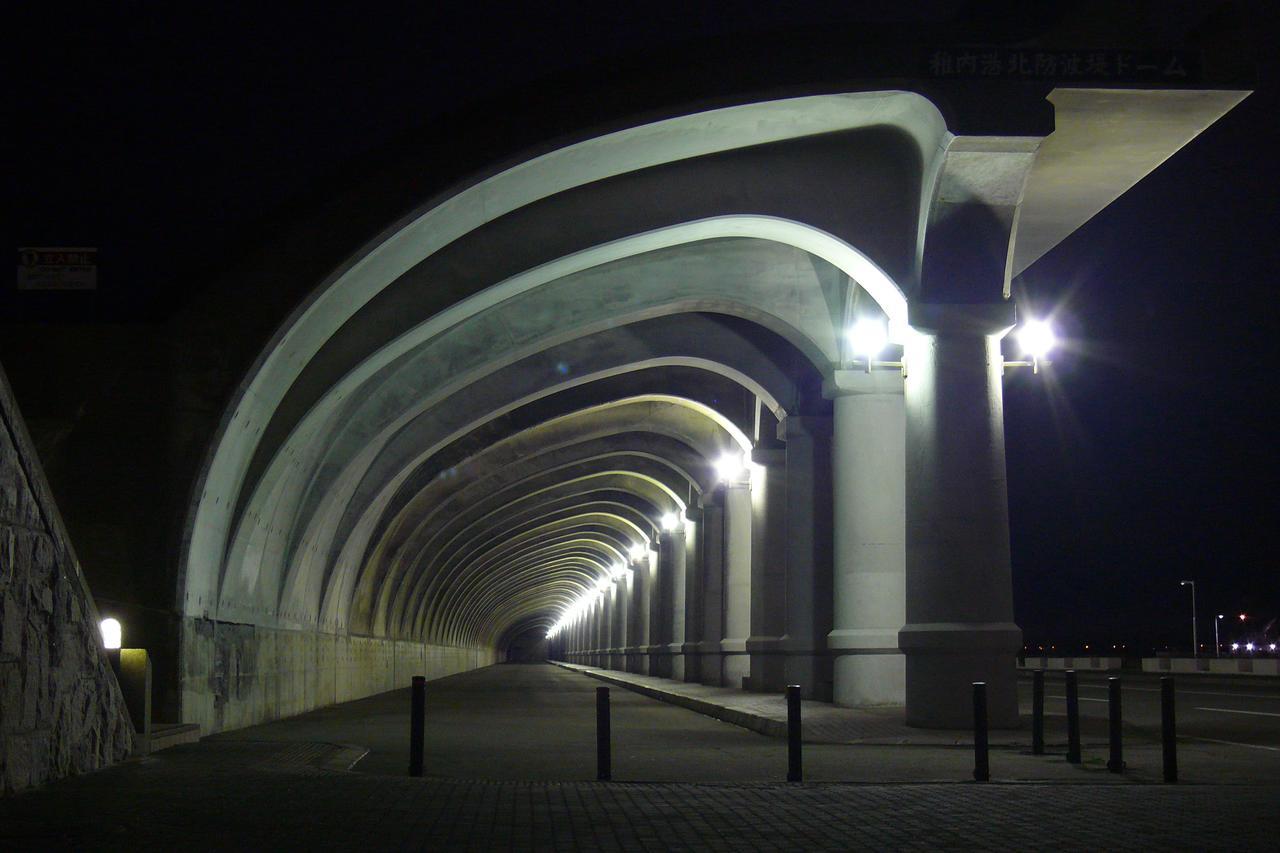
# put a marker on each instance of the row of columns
(864, 556)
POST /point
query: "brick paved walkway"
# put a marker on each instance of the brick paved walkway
(237, 795)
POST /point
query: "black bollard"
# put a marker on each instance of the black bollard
(795, 770)
(1073, 718)
(417, 722)
(1115, 763)
(981, 766)
(1037, 712)
(604, 760)
(1168, 730)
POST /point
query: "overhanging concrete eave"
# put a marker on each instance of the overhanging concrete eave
(1104, 142)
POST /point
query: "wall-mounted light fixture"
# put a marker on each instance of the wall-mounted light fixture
(111, 632)
(730, 467)
(1036, 338)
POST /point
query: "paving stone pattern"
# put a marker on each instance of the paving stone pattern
(237, 795)
(60, 708)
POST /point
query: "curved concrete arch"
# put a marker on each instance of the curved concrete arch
(374, 403)
(429, 615)
(652, 414)
(706, 430)
(416, 522)
(443, 582)
(262, 542)
(352, 287)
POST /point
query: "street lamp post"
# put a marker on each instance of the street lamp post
(1217, 645)
(1195, 649)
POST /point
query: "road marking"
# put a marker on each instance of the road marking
(1192, 692)
(1081, 698)
(1235, 743)
(1127, 688)
(1234, 711)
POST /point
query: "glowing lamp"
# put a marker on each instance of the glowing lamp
(729, 467)
(1036, 338)
(636, 551)
(868, 337)
(110, 633)
(670, 521)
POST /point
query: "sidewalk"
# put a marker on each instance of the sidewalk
(821, 722)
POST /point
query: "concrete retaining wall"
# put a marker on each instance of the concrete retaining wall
(61, 711)
(1220, 666)
(236, 675)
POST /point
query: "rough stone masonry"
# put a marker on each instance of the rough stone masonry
(61, 711)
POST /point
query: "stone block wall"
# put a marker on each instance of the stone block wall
(61, 711)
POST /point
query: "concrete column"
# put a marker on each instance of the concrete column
(808, 554)
(768, 569)
(674, 594)
(959, 614)
(655, 649)
(737, 583)
(693, 594)
(869, 501)
(662, 617)
(618, 643)
(638, 616)
(710, 657)
(605, 641)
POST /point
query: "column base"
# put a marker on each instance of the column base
(767, 666)
(943, 661)
(635, 662)
(870, 679)
(692, 660)
(735, 665)
(658, 661)
(710, 664)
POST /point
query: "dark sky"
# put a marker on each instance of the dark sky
(1145, 456)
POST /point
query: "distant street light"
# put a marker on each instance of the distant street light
(1217, 645)
(1195, 651)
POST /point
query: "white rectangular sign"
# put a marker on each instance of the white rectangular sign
(57, 268)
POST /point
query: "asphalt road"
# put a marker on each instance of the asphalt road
(1240, 711)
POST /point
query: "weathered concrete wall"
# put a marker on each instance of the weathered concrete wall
(61, 711)
(236, 675)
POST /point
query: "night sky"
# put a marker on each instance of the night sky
(1144, 456)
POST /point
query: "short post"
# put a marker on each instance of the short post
(981, 765)
(1073, 718)
(1037, 712)
(604, 760)
(1168, 730)
(1115, 763)
(795, 770)
(417, 723)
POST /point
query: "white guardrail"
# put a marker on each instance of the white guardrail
(1219, 666)
(1082, 663)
